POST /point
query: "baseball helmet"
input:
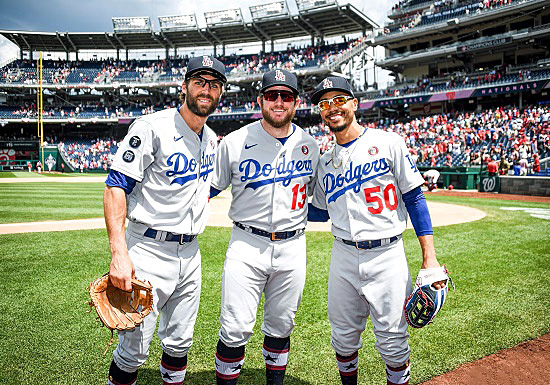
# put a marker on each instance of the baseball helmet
(423, 305)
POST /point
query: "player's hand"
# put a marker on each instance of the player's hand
(122, 271)
(430, 263)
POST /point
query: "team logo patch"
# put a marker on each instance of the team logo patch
(373, 150)
(128, 156)
(280, 76)
(135, 141)
(305, 150)
(207, 62)
(212, 144)
(327, 83)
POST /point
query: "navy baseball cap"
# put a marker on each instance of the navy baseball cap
(208, 65)
(332, 83)
(280, 78)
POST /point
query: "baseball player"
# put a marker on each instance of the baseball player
(431, 176)
(366, 184)
(270, 165)
(160, 180)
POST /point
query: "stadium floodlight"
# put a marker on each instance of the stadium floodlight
(228, 16)
(177, 23)
(311, 4)
(277, 8)
(132, 24)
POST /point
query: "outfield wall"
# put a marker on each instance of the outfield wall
(525, 185)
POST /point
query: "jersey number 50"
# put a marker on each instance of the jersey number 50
(377, 209)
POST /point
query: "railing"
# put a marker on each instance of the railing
(348, 55)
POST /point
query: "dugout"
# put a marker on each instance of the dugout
(463, 178)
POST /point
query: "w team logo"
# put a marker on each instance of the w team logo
(280, 76)
(207, 62)
(327, 83)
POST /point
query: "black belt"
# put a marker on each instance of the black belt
(170, 237)
(367, 245)
(277, 236)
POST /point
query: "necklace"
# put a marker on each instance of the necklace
(349, 149)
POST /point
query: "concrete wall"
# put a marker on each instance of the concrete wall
(525, 185)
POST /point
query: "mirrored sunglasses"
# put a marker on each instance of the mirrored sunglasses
(337, 101)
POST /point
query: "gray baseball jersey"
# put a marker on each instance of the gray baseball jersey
(270, 181)
(361, 186)
(174, 168)
(270, 185)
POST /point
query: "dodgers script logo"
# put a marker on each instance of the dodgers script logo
(353, 178)
(283, 172)
(188, 167)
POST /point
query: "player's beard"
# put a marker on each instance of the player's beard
(277, 123)
(348, 120)
(202, 111)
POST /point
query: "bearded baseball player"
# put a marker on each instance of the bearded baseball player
(160, 180)
(367, 184)
(270, 165)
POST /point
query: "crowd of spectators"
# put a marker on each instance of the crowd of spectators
(461, 80)
(515, 139)
(507, 135)
(107, 71)
(90, 155)
(437, 11)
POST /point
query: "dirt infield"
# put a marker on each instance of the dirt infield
(527, 363)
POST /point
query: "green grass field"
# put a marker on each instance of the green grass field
(499, 264)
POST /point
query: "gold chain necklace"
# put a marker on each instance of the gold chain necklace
(350, 151)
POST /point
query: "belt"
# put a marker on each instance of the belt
(277, 236)
(166, 236)
(367, 245)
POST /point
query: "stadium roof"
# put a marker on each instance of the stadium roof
(329, 19)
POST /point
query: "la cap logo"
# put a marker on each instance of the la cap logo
(327, 83)
(207, 62)
(280, 76)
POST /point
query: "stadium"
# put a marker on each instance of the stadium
(465, 83)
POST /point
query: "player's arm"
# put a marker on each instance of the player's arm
(117, 186)
(416, 205)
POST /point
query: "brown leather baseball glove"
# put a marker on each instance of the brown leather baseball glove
(118, 309)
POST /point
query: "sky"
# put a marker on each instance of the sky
(95, 15)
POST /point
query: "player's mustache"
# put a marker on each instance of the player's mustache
(205, 96)
(338, 112)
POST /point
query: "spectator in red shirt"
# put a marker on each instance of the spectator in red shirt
(492, 167)
(536, 163)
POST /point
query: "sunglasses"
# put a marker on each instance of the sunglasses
(286, 96)
(337, 101)
(201, 82)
